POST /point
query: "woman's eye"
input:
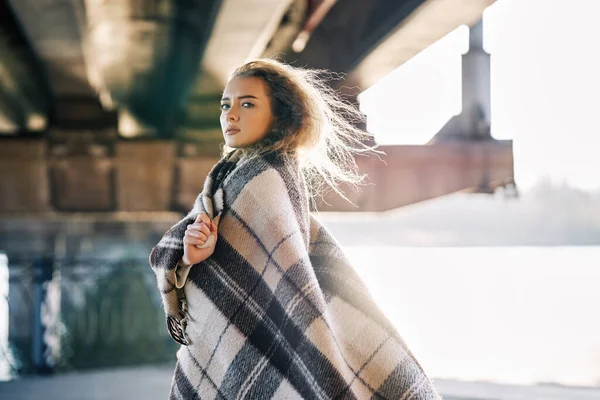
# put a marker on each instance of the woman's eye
(247, 105)
(224, 106)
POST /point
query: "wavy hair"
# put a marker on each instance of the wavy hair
(311, 122)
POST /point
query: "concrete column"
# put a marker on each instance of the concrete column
(475, 119)
(476, 81)
(24, 182)
(144, 172)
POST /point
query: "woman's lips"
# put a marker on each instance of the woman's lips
(232, 131)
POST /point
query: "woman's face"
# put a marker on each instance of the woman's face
(246, 114)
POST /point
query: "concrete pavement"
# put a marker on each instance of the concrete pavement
(153, 382)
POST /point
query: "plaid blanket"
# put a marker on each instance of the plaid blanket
(277, 311)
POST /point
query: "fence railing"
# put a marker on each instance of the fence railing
(82, 313)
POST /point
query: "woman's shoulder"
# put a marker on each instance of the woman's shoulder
(267, 170)
(254, 165)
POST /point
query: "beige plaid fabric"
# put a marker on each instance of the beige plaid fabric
(277, 311)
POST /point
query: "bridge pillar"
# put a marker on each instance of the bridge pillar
(475, 119)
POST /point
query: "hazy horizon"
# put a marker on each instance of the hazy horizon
(544, 215)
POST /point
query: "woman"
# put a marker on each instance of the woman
(258, 293)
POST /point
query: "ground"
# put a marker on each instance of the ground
(153, 382)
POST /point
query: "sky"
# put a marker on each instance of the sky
(531, 292)
(545, 82)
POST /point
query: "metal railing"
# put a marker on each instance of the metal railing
(82, 313)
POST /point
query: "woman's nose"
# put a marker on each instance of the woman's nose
(232, 116)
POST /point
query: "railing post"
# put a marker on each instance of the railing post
(43, 360)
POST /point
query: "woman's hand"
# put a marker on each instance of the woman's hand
(197, 234)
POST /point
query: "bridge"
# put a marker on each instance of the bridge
(109, 123)
(113, 106)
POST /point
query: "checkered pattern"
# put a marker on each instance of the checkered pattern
(277, 311)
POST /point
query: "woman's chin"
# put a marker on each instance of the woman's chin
(236, 144)
(233, 145)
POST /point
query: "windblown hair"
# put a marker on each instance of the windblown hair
(311, 122)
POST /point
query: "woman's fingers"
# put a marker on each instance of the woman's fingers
(198, 243)
(195, 234)
(200, 227)
(205, 229)
(187, 239)
(203, 217)
(198, 232)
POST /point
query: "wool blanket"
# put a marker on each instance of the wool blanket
(277, 311)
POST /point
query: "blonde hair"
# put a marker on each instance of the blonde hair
(311, 123)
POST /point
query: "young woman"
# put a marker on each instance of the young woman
(258, 293)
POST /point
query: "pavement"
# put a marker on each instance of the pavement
(153, 382)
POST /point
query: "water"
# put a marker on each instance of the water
(519, 315)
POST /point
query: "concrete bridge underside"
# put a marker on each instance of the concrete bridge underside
(112, 106)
